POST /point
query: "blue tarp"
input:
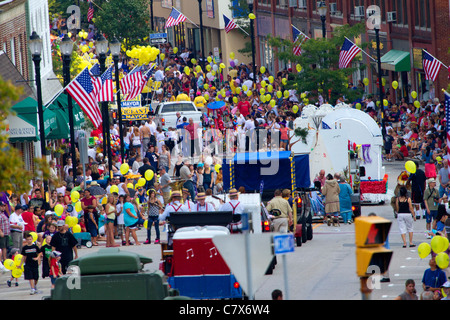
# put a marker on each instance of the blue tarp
(273, 168)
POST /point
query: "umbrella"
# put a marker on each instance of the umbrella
(216, 105)
(96, 190)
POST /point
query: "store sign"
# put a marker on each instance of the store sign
(140, 113)
(417, 58)
(136, 102)
(19, 128)
(210, 8)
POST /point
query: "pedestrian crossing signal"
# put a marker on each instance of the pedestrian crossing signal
(370, 235)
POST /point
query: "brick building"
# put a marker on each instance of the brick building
(407, 27)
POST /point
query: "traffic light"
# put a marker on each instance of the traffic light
(370, 236)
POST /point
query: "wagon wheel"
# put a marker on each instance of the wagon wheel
(88, 244)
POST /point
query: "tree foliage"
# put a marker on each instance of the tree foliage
(319, 61)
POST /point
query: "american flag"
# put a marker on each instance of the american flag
(431, 66)
(175, 18)
(140, 80)
(106, 93)
(447, 118)
(96, 80)
(348, 51)
(132, 79)
(81, 89)
(299, 39)
(229, 24)
(90, 13)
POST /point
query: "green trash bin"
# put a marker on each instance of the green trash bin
(111, 274)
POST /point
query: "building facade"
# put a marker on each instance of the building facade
(407, 27)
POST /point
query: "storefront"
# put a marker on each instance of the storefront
(399, 62)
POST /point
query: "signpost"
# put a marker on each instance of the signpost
(158, 38)
(282, 244)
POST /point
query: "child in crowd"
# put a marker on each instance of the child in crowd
(46, 250)
(55, 267)
(31, 258)
(14, 252)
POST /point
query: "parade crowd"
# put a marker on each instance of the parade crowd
(113, 207)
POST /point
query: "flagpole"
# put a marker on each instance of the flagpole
(243, 30)
(363, 51)
(435, 58)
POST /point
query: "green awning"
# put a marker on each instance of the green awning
(50, 122)
(396, 60)
(78, 114)
(62, 120)
(27, 111)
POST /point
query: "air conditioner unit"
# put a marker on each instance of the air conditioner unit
(333, 8)
(359, 12)
(302, 4)
(392, 16)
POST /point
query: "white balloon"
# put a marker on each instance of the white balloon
(215, 67)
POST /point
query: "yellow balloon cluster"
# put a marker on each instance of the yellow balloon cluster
(143, 54)
(14, 266)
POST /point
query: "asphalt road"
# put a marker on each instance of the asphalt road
(321, 269)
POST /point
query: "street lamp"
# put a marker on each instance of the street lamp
(66, 48)
(101, 47)
(115, 47)
(322, 10)
(35, 44)
(252, 35)
(200, 13)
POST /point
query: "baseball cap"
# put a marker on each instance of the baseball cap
(60, 223)
(56, 254)
(446, 285)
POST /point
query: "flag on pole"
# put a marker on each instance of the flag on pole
(447, 118)
(175, 18)
(128, 82)
(229, 24)
(95, 76)
(90, 13)
(431, 66)
(140, 80)
(81, 89)
(299, 39)
(348, 51)
(106, 93)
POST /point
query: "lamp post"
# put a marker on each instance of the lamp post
(114, 46)
(35, 44)
(202, 42)
(322, 10)
(66, 48)
(101, 47)
(252, 35)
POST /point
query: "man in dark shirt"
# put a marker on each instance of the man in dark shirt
(418, 182)
(152, 156)
(38, 201)
(146, 166)
(65, 243)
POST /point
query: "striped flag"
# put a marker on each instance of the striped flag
(299, 39)
(447, 118)
(431, 66)
(128, 82)
(90, 13)
(229, 24)
(106, 93)
(140, 80)
(348, 51)
(81, 89)
(96, 80)
(175, 18)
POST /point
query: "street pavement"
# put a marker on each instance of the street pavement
(321, 269)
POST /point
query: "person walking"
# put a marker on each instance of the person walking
(405, 216)
(431, 200)
(17, 226)
(331, 192)
(131, 220)
(65, 243)
(345, 199)
(283, 219)
(154, 207)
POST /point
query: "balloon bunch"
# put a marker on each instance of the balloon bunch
(143, 54)
(14, 265)
(439, 246)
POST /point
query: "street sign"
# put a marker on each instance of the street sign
(158, 38)
(283, 243)
(233, 251)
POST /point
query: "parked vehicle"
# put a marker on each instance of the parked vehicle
(166, 113)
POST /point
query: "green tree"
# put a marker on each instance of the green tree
(129, 21)
(320, 73)
(240, 10)
(13, 176)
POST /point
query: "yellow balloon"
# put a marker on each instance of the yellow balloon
(414, 94)
(9, 264)
(59, 209)
(16, 273)
(394, 84)
(299, 68)
(232, 55)
(249, 93)
(385, 102)
(423, 250)
(295, 109)
(149, 175)
(271, 79)
(76, 228)
(358, 106)
(410, 166)
(34, 235)
(222, 65)
(438, 244)
(235, 100)
(279, 94)
(272, 103)
(141, 182)
(252, 16)
(286, 94)
(442, 260)
(244, 87)
(262, 91)
(124, 168)
(75, 196)
(146, 224)
(417, 104)
(263, 83)
(114, 189)
(262, 69)
(284, 81)
(78, 206)
(162, 56)
(366, 81)
(175, 50)
(18, 259)
(269, 88)
(217, 167)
